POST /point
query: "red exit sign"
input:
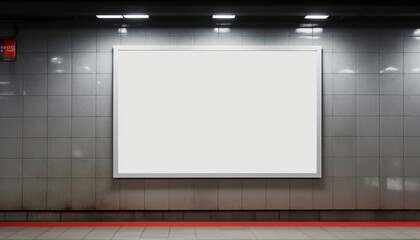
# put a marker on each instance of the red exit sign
(7, 50)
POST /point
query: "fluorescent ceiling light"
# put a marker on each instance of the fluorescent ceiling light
(223, 16)
(136, 16)
(316, 16)
(109, 16)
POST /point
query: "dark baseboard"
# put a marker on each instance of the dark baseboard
(211, 216)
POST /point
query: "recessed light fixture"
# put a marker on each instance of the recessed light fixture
(224, 16)
(109, 16)
(316, 16)
(137, 16)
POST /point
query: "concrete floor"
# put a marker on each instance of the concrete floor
(214, 233)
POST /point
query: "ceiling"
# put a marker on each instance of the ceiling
(77, 8)
(247, 11)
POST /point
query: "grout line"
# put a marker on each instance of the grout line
(356, 136)
(46, 138)
(403, 125)
(379, 126)
(322, 79)
(96, 115)
(71, 123)
(332, 134)
(22, 142)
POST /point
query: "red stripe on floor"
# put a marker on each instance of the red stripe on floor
(209, 224)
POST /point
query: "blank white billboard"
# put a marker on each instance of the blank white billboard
(217, 112)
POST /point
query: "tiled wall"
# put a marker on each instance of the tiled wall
(56, 135)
